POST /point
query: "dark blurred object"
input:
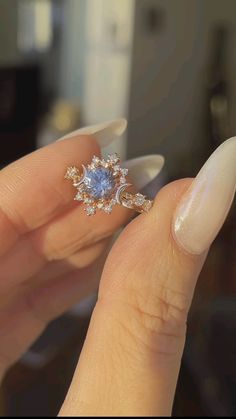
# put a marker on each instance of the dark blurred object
(207, 385)
(19, 89)
(208, 372)
(218, 88)
(28, 59)
(154, 19)
(39, 390)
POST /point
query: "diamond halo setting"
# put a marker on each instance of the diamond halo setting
(103, 184)
(100, 184)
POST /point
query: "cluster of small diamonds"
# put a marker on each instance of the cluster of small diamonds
(137, 201)
(105, 204)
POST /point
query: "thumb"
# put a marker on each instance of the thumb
(130, 362)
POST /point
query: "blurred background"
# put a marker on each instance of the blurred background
(169, 67)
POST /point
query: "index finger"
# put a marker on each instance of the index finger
(33, 190)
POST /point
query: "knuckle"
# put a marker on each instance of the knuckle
(145, 326)
(55, 247)
(160, 321)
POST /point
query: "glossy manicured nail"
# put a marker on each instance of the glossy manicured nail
(104, 133)
(143, 170)
(204, 207)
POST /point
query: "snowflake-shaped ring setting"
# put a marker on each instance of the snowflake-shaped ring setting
(103, 184)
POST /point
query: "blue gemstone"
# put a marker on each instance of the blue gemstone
(100, 182)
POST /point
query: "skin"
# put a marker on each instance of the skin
(49, 254)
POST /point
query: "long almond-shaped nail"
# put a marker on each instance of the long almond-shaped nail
(143, 170)
(204, 207)
(104, 133)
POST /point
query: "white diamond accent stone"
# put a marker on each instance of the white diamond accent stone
(113, 202)
(139, 199)
(91, 166)
(124, 171)
(104, 163)
(90, 210)
(78, 197)
(122, 180)
(113, 158)
(96, 160)
(116, 168)
(147, 205)
(108, 209)
(80, 188)
(129, 203)
(88, 200)
(100, 205)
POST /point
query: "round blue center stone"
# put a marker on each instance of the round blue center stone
(100, 182)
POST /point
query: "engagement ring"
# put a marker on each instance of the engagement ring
(102, 184)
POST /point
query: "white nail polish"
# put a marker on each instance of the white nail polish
(104, 133)
(204, 207)
(143, 170)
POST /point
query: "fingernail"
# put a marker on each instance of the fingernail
(143, 170)
(104, 133)
(204, 207)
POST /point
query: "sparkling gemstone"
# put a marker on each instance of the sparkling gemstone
(124, 171)
(100, 205)
(113, 158)
(139, 199)
(116, 168)
(95, 160)
(129, 203)
(108, 209)
(88, 200)
(91, 166)
(104, 163)
(100, 182)
(90, 210)
(78, 197)
(147, 205)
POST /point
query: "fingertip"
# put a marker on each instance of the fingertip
(165, 204)
(172, 193)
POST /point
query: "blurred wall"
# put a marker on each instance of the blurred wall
(96, 51)
(167, 103)
(72, 50)
(142, 59)
(8, 38)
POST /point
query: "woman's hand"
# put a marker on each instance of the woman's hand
(50, 251)
(130, 361)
